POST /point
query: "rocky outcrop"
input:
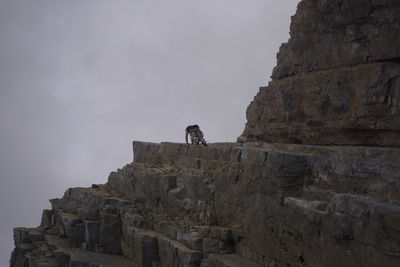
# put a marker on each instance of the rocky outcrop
(279, 197)
(337, 80)
(231, 205)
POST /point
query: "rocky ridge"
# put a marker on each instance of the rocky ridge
(252, 204)
(314, 180)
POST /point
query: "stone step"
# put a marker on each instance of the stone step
(227, 260)
(149, 248)
(69, 256)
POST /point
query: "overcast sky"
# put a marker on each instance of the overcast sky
(81, 79)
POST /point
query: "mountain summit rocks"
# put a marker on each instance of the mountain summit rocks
(337, 80)
(236, 205)
(314, 180)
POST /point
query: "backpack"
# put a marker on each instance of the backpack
(192, 127)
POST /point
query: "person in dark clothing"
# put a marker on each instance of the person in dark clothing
(196, 135)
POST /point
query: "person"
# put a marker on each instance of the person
(196, 135)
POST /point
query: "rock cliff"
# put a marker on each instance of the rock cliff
(314, 180)
(337, 80)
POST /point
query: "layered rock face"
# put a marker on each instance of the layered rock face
(242, 205)
(280, 197)
(337, 80)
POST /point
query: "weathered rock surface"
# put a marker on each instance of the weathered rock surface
(340, 33)
(273, 199)
(250, 204)
(337, 80)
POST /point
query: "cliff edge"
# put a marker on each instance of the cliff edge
(314, 180)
